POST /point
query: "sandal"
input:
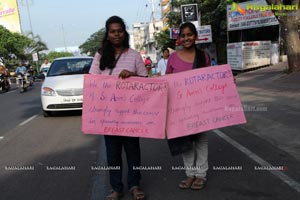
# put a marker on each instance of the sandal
(198, 184)
(186, 183)
(137, 193)
(114, 196)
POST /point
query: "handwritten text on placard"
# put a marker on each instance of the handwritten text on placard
(201, 99)
(133, 107)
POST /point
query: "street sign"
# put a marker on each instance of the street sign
(204, 34)
(189, 13)
(174, 33)
(35, 57)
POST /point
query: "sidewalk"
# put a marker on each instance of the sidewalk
(271, 101)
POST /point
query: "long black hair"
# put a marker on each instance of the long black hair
(200, 59)
(107, 51)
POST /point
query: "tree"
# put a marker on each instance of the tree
(290, 25)
(93, 43)
(5, 44)
(163, 39)
(213, 13)
(174, 19)
(37, 44)
(12, 45)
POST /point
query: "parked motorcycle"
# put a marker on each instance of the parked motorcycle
(4, 84)
(23, 82)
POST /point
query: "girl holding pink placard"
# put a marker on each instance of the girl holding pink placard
(194, 148)
(115, 57)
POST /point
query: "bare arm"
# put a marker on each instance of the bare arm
(126, 74)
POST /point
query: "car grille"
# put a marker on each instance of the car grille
(70, 92)
(64, 106)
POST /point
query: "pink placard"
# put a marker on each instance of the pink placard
(134, 107)
(202, 99)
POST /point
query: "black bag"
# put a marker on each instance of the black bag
(180, 145)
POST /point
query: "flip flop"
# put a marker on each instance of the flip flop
(137, 193)
(186, 183)
(198, 184)
(114, 196)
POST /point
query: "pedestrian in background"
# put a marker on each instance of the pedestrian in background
(148, 65)
(3, 70)
(5, 73)
(194, 148)
(162, 63)
(116, 58)
(45, 65)
(213, 62)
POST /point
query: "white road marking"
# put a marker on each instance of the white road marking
(1, 137)
(11, 91)
(292, 183)
(28, 120)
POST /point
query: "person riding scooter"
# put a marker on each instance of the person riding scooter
(22, 77)
(31, 73)
(4, 80)
(21, 69)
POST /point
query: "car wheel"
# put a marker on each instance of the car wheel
(47, 113)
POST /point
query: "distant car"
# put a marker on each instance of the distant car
(62, 89)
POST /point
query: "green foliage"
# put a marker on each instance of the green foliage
(93, 43)
(20, 43)
(174, 19)
(213, 12)
(14, 46)
(53, 54)
(163, 39)
(37, 44)
(5, 43)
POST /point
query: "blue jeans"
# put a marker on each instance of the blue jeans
(114, 146)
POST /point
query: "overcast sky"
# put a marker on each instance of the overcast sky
(75, 20)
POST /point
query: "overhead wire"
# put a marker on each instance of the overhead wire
(144, 11)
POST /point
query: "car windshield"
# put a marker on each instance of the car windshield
(70, 66)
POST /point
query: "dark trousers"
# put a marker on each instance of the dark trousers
(114, 146)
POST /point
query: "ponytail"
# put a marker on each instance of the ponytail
(200, 59)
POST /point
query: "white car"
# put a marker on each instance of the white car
(62, 89)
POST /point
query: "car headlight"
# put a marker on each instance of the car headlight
(48, 92)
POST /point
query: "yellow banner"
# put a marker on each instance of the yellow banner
(9, 15)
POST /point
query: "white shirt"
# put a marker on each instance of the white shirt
(44, 65)
(162, 66)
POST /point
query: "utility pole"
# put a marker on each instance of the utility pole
(30, 24)
(153, 10)
(64, 39)
(153, 22)
(28, 11)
